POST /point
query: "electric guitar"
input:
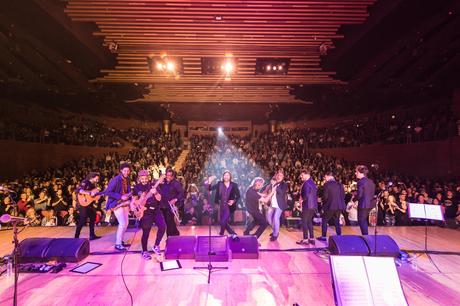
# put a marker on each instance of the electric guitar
(138, 207)
(122, 203)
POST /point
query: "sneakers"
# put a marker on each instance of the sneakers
(234, 237)
(156, 250)
(125, 244)
(146, 255)
(94, 237)
(303, 242)
(119, 247)
(322, 239)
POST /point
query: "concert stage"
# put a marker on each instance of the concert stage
(283, 275)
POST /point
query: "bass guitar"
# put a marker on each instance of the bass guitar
(138, 207)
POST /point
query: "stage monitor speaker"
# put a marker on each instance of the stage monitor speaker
(68, 249)
(246, 247)
(386, 246)
(219, 249)
(180, 247)
(33, 249)
(348, 245)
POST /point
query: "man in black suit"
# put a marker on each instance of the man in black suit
(333, 204)
(309, 201)
(365, 197)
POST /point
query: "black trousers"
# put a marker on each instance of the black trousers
(224, 218)
(307, 222)
(335, 216)
(258, 218)
(85, 212)
(363, 220)
(151, 216)
(171, 227)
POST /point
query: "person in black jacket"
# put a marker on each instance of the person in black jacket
(365, 197)
(309, 202)
(333, 204)
(253, 197)
(87, 186)
(172, 195)
(227, 196)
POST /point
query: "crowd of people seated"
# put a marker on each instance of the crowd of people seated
(410, 126)
(387, 128)
(246, 159)
(48, 198)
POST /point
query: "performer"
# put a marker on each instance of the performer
(333, 204)
(365, 197)
(86, 186)
(119, 193)
(278, 202)
(172, 195)
(253, 197)
(147, 191)
(227, 196)
(309, 200)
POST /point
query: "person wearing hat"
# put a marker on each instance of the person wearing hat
(146, 191)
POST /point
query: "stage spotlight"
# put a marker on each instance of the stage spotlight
(220, 130)
(274, 68)
(160, 66)
(228, 67)
(170, 66)
(269, 67)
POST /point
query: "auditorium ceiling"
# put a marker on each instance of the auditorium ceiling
(228, 59)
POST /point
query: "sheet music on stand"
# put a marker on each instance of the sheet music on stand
(425, 211)
(359, 280)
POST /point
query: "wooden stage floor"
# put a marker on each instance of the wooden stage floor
(276, 278)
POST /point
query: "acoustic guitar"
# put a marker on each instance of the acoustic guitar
(87, 199)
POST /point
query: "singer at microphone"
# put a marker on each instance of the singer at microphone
(6, 218)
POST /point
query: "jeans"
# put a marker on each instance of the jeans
(273, 218)
(122, 217)
(151, 216)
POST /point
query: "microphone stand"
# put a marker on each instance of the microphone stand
(210, 267)
(376, 224)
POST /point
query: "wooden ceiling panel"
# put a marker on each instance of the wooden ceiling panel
(191, 30)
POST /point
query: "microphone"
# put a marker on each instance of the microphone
(8, 218)
(3, 188)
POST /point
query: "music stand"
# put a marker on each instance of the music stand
(425, 212)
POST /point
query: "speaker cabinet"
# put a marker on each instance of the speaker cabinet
(180, 247)
(33, 249)
(247, 247)
(67, 249)
(348, 245)
(386, 246)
